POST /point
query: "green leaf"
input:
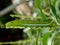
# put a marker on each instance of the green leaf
(38, 5)
(50, 40)
(57, 7)
(54, 12)
(46, 37)
(53, 2)
(53, 9)
(25, 23)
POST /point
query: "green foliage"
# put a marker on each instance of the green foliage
(45, 38)
(38, 5)
(41, 30)
(54, 10)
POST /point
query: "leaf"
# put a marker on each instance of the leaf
(53, 9)
(24, 23)
(54, 13)
(37, 40)
(46, 37)
(38, 5)
(50, 40)
(57, 7)
(53, 2)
